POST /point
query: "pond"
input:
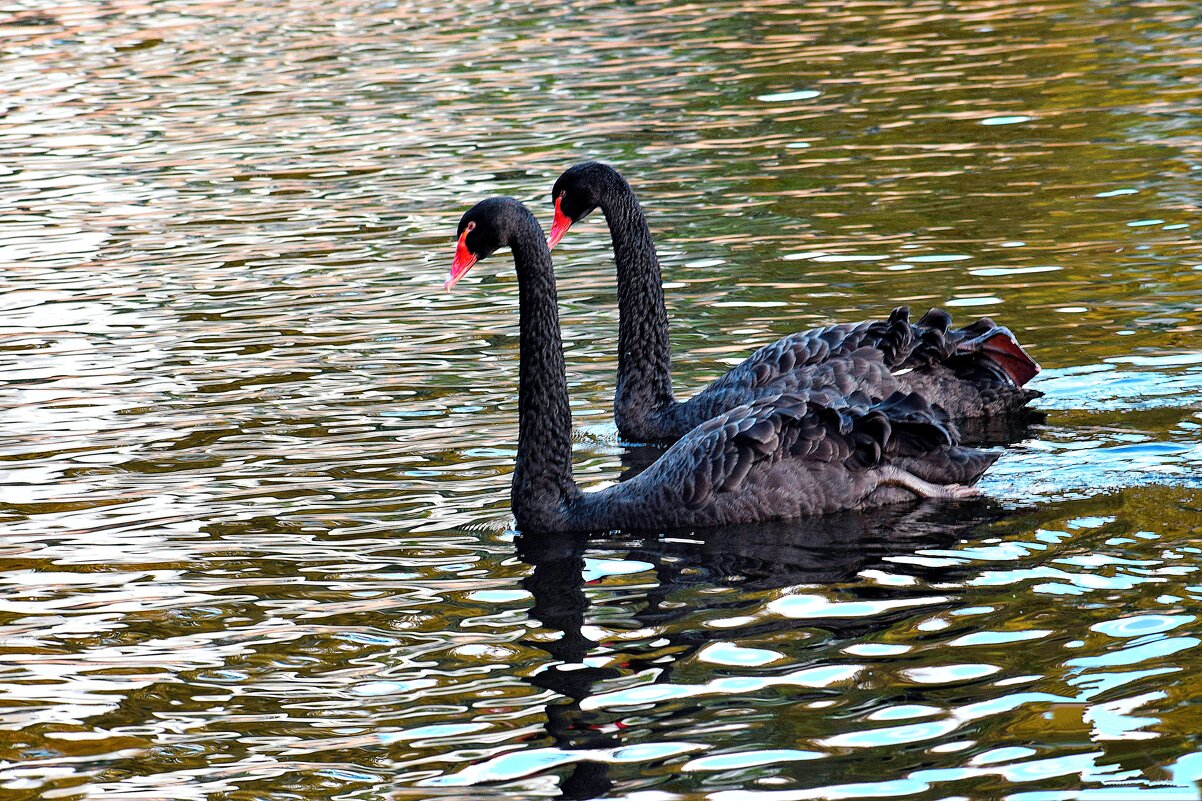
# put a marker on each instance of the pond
(255, 538)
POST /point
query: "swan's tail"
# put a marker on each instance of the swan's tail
(924, 442)
(959, 465)
(902, 425)
(983, 351)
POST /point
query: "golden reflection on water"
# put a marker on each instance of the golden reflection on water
(255, 462)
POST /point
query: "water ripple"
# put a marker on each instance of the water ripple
(254, 497)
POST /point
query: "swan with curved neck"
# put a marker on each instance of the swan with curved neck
(783, 456)
(974, 372)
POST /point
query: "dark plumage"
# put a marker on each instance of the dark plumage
(974, 373)
(783, 455)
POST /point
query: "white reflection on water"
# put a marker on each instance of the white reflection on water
(254, 463)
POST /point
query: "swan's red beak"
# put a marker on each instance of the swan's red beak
(464, 259)
(559, 226)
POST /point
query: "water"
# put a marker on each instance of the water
(254, 514)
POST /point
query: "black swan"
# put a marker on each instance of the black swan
(782, 456)
(975, 373)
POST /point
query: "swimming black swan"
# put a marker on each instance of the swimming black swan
(974, 373)
(782, 456)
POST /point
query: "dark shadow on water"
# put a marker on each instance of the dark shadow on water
(637, 458)
(762, 556)
(992, 432)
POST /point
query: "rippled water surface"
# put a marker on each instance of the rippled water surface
(254, 529)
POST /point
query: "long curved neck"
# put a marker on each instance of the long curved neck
(644, 354)
(542, 479)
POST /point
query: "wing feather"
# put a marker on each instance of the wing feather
(718, 457)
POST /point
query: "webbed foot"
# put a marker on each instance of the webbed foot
(925, 489)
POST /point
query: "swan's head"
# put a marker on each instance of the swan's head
(577, 192)
(485, 227)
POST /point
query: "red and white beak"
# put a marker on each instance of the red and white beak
(464, 259)
(559, 226)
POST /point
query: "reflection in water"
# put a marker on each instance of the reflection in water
(779, 554)
(556, 584)
(254, 463)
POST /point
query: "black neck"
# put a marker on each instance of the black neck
(542, 480)
(644, 354)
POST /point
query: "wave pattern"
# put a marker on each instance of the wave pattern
(254, 463)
